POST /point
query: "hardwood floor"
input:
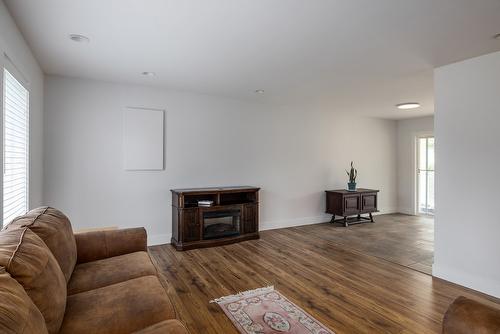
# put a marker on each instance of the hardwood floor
(402, 239)
(345, 288)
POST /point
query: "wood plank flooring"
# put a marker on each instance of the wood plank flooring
(345, 288)
(402, 239)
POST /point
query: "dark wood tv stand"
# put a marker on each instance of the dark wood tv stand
(233, 217)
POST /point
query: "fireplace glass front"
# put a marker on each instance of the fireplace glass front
(221, 224)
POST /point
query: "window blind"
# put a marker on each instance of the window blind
(15, 148)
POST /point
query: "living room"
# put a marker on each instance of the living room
(133, 116)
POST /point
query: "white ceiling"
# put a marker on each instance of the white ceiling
(360, 56)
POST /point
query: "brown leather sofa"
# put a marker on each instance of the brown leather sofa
(54, 281)
(467, 316)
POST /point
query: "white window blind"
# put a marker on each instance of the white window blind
(15, 148)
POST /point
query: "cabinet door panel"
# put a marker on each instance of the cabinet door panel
(351, 205)
(369, 202)
(250, 216)
(191, 225)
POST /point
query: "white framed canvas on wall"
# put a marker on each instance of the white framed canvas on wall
(143, 138)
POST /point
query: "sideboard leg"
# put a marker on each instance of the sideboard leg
(345, 222)
(371, 218)
(333, 219)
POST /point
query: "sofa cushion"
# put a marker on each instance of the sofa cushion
(119, 308)
(18, 314)
(100, 273)
(172, 326)
(98, 245)
(28, 260)
(54, 228)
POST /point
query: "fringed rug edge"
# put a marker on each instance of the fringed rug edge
(243, 294)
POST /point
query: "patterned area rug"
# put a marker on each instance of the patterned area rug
(265, 310)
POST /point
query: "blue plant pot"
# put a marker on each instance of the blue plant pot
(351, 186)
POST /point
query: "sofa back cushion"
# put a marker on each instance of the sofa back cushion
(28, 260)
(54, 228)
(18, 314)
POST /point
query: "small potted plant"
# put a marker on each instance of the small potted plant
(351, 185)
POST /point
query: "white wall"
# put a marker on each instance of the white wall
(26, 69)
(407, 132)
(294, 155)
(467, 129)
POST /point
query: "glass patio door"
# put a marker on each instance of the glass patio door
(425, 175)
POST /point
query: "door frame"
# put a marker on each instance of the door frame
(418, 136)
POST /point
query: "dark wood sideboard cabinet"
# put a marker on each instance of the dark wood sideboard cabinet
(233, 217)
(346, 203)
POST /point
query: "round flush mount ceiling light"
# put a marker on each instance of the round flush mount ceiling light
(408, 105)
(79, 38)
(148, 74)
(259, 91)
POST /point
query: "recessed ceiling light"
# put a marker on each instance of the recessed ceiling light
(148, 74)
(259, 91)
(408, 105)
(79, 38)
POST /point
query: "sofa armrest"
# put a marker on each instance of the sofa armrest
(465, 316)
(96, 245)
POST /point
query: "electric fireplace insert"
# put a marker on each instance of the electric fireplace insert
(221, 223)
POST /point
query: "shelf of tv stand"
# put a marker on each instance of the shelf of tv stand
(188, 217)
(221, 206)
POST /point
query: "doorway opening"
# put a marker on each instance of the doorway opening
(425, 175)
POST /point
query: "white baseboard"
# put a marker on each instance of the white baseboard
(475, 282)
(274, 224)
(385, 211)
(159, 239)
(324, 218)
(406, 211)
